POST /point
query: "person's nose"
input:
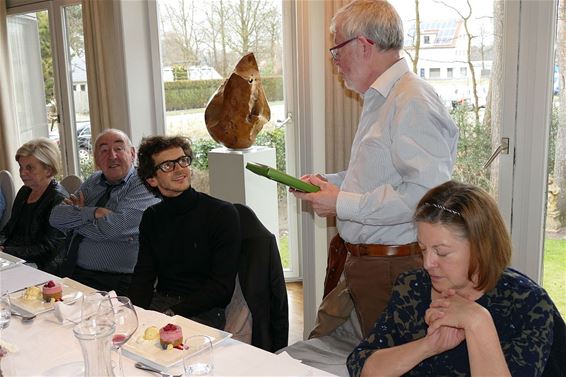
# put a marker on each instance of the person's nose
(429, 260)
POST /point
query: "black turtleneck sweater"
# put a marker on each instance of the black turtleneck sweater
(191, 244)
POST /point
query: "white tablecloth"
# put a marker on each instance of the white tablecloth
(46, 348)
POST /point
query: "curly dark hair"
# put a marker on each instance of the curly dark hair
(150, 146)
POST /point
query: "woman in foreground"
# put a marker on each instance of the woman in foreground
(466, 312)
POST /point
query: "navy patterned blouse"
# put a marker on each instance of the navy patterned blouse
(521, 310)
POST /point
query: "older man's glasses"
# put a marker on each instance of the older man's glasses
(334, 50)
(169, 165)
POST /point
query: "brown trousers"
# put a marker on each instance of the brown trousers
(366, 286)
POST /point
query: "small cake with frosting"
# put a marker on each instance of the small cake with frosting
(170, 334)
(52, 291)
(32, 293)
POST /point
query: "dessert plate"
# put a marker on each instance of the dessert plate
(70, 295)
(150, 351)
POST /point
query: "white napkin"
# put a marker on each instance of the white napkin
(66, 313)
(71, 313)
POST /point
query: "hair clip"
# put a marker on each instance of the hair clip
(443, 208)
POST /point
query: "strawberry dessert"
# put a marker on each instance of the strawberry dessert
(170, 334)
(52, 291)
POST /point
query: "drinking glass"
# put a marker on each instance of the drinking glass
(5, 312)
(199, 360)
(126, 321)
(95, 305)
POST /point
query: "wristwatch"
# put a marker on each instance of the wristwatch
(169, 312)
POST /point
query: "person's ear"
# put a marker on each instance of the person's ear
(152, 181)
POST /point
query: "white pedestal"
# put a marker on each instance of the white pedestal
(231, 181)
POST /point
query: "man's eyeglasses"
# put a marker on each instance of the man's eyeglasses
(334, 50)
(169, 165)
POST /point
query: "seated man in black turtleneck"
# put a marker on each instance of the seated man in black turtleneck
(190, 241)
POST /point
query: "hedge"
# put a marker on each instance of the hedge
(194, 94)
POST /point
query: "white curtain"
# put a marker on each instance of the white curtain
(106, 74)
(7, 119)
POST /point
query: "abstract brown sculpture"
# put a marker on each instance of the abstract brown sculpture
(238, 110)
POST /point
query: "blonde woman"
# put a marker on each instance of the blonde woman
(27, 234)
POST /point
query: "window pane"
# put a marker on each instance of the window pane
(75, 52)
(31, 67)
(201, 42)
(554, 257)
(458, 54)
(37, 109)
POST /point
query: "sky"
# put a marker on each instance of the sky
(434, 10)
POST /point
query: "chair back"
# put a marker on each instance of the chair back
(9, 190)
(71, 183)
(262, 282)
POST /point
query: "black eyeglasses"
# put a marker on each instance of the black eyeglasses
(169, 165)
(334, 50)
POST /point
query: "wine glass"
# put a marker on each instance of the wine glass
(126, 321)
(5, 312)
(93, 303)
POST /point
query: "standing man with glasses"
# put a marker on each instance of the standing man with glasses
(405, 144)
(102, 218)
(190, 242)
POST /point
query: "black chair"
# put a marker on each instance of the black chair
(263, 284)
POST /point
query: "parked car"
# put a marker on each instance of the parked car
(83, 135)
(83, 138)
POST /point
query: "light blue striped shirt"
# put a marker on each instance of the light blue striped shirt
(405, 144)
(111, 242)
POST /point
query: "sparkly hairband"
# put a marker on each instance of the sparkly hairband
(443, 208)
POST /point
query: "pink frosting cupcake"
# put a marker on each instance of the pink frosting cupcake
(170, 334)
(52, 291)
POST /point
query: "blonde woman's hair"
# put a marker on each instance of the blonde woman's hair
(45, 150)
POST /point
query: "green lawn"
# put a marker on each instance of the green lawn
(554, 275)
(553, 280)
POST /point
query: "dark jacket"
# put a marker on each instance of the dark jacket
(43, 242)
(263, 284)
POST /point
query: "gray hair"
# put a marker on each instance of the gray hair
(45, 150)
(374, 19)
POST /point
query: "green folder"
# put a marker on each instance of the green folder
(281, 177)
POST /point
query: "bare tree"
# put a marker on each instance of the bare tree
(216, 20)
(182, 20)
(245, 25)
(469, 37)
(416, 39)
(560, 146)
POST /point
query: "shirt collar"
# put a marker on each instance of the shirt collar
(385, 82)
(104, 181)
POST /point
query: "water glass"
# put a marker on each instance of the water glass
(199, 360)
(5, 311)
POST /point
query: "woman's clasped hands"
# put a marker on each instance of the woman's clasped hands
(448, 318)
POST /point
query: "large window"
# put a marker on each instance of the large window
(201, 43)
(472, 41)
(48, 64)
